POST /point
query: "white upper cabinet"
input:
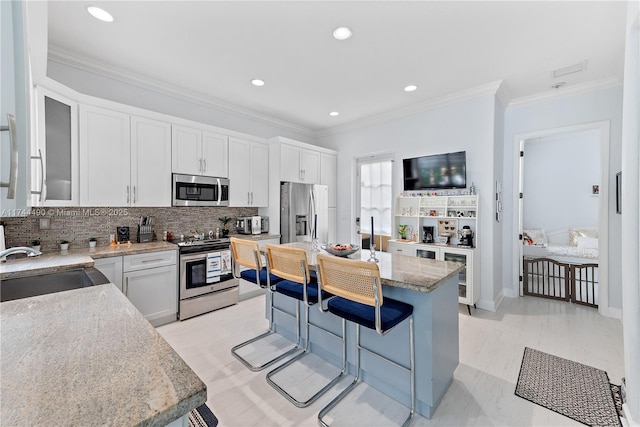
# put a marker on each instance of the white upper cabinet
(54, 151)
(124, 160)
(150, 162)
(186, 150)
(215, 154)
(198, 152)
(328, 176)
(105, 167)
(299, 164)
(248, 173)
(16, 95)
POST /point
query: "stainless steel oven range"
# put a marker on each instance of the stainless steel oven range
(206, 280)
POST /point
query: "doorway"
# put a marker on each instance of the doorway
(374, 200)
(601, 130)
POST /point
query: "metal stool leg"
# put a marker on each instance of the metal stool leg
(277, 358)
(356, 379)
(323, 389)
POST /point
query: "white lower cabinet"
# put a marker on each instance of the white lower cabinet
(394, 247)
(468, 279)
(111, 268)
(149, 280)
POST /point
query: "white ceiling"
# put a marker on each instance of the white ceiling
(214, 49)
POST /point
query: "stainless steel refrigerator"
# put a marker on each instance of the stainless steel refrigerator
(300, 205)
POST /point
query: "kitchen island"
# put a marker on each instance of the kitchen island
(432, 288)
(88, 357)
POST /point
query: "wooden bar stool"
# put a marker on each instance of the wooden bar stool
(358, 298)
(246, 253)
(291, 264)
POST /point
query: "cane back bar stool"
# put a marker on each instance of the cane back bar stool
(358, 298)
(246, 253)
(291, 264)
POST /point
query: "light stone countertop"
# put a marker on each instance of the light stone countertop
(256, 237)
(400, 271)
(51, 262)
(97, 362)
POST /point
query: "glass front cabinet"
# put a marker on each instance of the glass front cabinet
(54, 172)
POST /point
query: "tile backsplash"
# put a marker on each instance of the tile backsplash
(78, 224)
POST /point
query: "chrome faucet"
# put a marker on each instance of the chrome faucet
(17, 250)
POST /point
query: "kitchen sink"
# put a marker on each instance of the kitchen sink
(25, 287)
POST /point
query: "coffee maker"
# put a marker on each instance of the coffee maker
(427, 234)
(466, 237)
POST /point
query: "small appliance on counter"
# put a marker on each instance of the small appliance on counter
(145, 229)
(466, 237)
(252, 224)
(428, 234)
(264, 224)
(256, 225)
(243, 225)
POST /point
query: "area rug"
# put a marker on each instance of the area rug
(572, 389)
(202, 417)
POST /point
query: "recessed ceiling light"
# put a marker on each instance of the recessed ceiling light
(342, 33)
(410, 88)
(257, 82)
(334, 113)
(100, 14)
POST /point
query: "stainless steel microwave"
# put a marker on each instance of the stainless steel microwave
(195, 190)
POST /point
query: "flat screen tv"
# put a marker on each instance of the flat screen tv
(438, 171)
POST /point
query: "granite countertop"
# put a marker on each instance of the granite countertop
(50, 262)
(400, 271)
(97, 362)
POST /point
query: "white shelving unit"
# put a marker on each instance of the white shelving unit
(450, 213)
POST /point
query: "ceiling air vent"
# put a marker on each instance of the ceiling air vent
(575, 68)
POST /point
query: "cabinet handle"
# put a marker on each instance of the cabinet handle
(13, 164)
(42, 192)
(126, 286)
(252, 198)
(200, 168)
(134, 194)
(248, 198)
(152, 260)
(204, 162)
(127, 194)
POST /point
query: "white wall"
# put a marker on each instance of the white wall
(467, 126)
(594, 106)
(559, 171)
(631, 214)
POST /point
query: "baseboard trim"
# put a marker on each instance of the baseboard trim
(491, 305)
(627, 416)
(613, 312)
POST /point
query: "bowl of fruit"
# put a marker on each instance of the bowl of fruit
(340, 249)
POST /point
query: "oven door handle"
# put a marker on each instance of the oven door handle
(194, 257)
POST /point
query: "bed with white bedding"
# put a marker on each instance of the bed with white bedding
(577, 245)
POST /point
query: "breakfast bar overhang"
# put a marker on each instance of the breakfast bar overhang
(432, 288)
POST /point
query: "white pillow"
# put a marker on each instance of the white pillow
(587, 242)
(574, 233)
(534, 236)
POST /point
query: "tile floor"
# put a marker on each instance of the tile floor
(482, 392)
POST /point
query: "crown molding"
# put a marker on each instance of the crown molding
(565, 92)
(431, 104)
(64, 57)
